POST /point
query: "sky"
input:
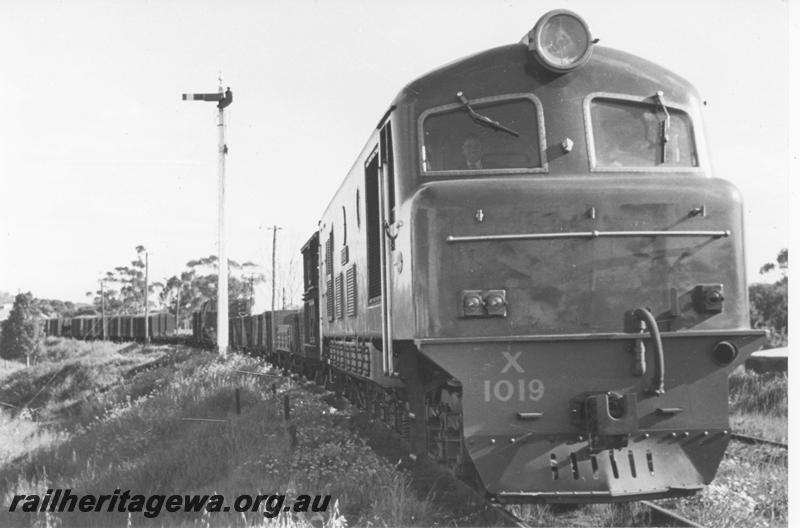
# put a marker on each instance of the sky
(99, 154)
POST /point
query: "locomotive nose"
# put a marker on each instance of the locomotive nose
(537, 428)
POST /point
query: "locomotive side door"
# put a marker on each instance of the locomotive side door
(311, 321)
(379, 190)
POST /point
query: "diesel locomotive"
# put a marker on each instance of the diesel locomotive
(532, 261)
(532, 274)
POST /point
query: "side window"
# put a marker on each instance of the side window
(634, 134)
(457, 139)
(387, 160)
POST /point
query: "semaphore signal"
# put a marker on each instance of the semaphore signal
(223, 99)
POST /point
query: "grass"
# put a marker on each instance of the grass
(96, 416)
(764, 394)
(130, 420)
(751, 486)
(768, 427)
(759, 404)
(584, 515)
(70, 384)
(8, 367)
(750, 489)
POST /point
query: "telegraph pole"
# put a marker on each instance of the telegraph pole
(275, 230)
(103, 306)
(222, 99)
(252, 294)
(146, 303)
(178, 309)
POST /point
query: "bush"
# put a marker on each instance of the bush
(21, 332)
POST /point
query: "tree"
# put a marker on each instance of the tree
(21, 332)
(124, 289)
(769, 303)
(57, 308)
(198, 284)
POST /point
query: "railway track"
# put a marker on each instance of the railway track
(500, 514)
(753, 440)
(663, 517)
(508, 516)
(659, 516)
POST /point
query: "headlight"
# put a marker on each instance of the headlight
(561, 41)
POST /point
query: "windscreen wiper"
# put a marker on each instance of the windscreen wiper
(482, 119)
(664, 126)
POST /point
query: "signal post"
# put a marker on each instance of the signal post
(222, 99)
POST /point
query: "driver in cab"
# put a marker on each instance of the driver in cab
(472, 151)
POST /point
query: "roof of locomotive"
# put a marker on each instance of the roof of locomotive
(513, 68)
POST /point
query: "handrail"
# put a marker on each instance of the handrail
(587, 234)
(652, 327)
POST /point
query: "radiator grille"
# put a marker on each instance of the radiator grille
(339, 287)
(329, 301)
(329, 255)
(351, 290)
(353, 357)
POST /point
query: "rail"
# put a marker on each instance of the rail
(753, 440)
(663, 517)
(509, 516)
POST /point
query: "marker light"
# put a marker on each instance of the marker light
(724, 353)
(561, 41)
(471, 303)
(496, 303)
(483, 303)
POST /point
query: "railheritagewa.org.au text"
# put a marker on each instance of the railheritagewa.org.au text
(64, 500)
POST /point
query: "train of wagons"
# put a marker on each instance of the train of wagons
(531, 273)
(117, 327)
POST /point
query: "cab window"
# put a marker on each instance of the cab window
(455, 139)
(632, 134)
